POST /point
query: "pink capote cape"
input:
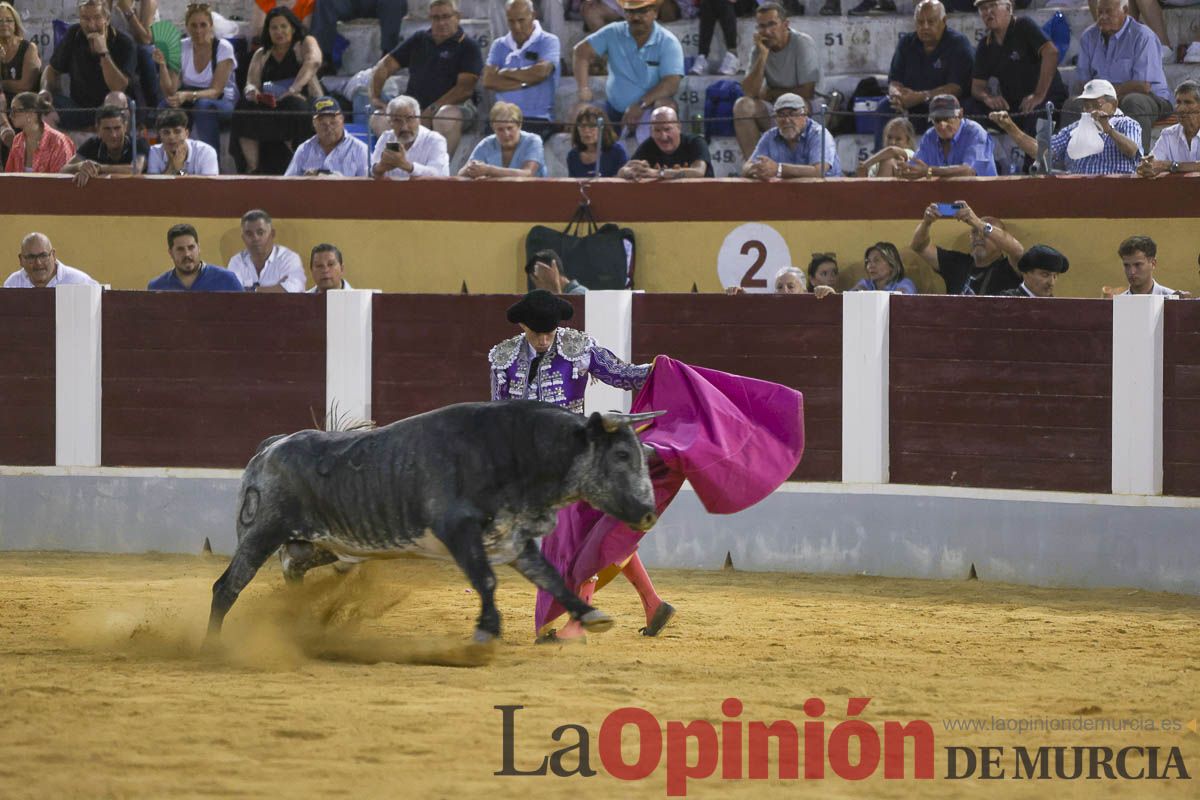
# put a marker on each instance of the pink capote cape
(734, 439)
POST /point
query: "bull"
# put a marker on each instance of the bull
(476, 482)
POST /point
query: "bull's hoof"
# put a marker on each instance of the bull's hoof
(483, 637)
(596, 621)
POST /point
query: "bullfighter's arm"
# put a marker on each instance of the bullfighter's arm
(607, 368)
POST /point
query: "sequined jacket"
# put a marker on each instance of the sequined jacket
(562, 374)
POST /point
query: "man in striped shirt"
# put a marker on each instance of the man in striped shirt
(331, 151)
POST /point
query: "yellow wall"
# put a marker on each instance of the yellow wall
(436, 257)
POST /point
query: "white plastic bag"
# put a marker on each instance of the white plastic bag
(1086, 139)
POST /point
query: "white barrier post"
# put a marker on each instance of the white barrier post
(865, 349)
(608, 318)
(348, 343)
(1137, 394)
(77, 375)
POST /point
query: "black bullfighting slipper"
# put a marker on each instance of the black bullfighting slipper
(660, 619)
(551, 637)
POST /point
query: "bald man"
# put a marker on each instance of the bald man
(40, 267)
(669, 153)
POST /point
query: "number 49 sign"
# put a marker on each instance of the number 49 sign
(750, 256)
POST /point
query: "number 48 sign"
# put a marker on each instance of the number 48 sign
(750, 256)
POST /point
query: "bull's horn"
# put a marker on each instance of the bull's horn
(615, 419)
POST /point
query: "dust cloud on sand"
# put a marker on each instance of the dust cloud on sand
(330, 691)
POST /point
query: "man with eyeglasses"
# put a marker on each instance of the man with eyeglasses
(40, 267)
(98, 59)
(443, 65)
(797, 147)
(409, 149)
(645, 66)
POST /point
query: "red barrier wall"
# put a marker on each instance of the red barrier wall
(431, 350)
(998, 393)
(199, 380)
(796, 341)
(1181, 399)
(27, 377)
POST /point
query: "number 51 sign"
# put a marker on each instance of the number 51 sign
(750, 256)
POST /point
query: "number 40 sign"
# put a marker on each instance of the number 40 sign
(750, 256)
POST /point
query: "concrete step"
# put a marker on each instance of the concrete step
(726, 156)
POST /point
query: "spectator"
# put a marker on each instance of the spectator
(1119, 135)
(990, 267)
(40, 267)
(785, 61)
(98, 59)
(1040, 267)
(281, 76)
(443, 66)
(1016, 66)
(1125, 53)
(176, 153)
(669, 153)
(522, 67)
(328, 13)
(899, 145)
(597, 153)
(509, 152)
(1178, 146)
(954, 147)
(1139, 257)
(265, 266)
(190, 273)
(726, 12)
(930, 61)
(325, 263)
(885, 271)
(134, 18)
(37, 147)
(408, 148)
(110, 151)
(798, 147)
(20, 64)
(1152, 13)
(545, 271)
(209, 90)
(790, 280)
(331, 151)
(645, 66)
(822, 272)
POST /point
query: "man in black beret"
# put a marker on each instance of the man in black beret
(1040, 267)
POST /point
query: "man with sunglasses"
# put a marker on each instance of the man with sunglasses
(645, 66)
(40, 267)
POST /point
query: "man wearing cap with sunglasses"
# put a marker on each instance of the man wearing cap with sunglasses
(331, 151)
(953, 147)
(797, 147)
(1120, 135)
(645, 66)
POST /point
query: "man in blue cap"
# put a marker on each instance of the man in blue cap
(331, 151)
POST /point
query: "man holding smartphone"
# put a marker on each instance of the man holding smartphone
(991, 266)
(408, 149)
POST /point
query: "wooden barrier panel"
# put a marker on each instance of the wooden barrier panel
(789, 339)
(200, 379)
(27, 377)
(1001, 393)
(1181, 398)
(431, 350)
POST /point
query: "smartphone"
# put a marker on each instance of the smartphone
(394, 147)
(948, 209)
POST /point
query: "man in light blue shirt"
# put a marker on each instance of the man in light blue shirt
(645, 66)
(797, 147)
(953, 148)
(331, 151)
(1124, 52)
(522, 67)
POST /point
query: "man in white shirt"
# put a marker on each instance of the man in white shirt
(1139, 257)
(178, 154)
(265, 266)
(328, 274)
(409, 149)
(40, 267)
(1178, 147)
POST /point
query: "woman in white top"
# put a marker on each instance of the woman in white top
(205, 83)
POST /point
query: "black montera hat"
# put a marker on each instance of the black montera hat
(541, 311)
(1042, 256)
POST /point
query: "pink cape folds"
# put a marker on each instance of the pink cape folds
(734, 439)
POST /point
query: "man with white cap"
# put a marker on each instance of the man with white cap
(797, 147)
(1111, 146)
(953, 147)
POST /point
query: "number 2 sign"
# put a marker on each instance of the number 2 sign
(750, 256)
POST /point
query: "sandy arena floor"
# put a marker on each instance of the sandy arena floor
(329, 692)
